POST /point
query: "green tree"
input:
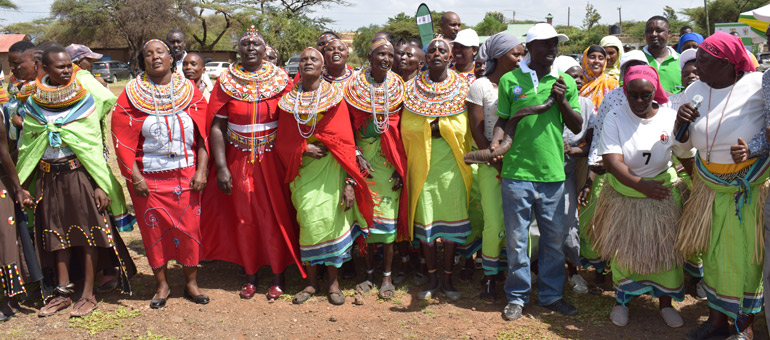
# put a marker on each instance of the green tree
(720, 11)
(363, 40)
(489, 25)
(289, 33)
(497, 15)
(7, 4)
(592, 17)
(670, 14)
(224, 10)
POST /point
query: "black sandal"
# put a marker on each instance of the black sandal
(488, 294)
(302, 296)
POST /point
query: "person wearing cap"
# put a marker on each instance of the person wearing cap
(659, 55)
(588, 194)
(501, 53)
(689, 76)
(83, 57)
(536, 182)
(464, 48)
(722, 219)
(575, 151)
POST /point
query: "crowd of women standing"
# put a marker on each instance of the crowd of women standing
(618, 157)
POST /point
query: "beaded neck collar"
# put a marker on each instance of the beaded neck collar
(55, 97)
(247, 86)
(152, 98)
(341, 80)
(359, 95)
(25, 90)
(427, 98)
(326, 96)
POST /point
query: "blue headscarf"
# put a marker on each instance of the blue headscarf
(696, 37)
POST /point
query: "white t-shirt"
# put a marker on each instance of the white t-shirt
(646, 144)
(484, 93)
(743, 117)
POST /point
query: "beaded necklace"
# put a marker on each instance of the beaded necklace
(362, 92)
(54, 97)
(427, 98)
(247, 86)
(152, 98)
(341, 80)
(299, 102)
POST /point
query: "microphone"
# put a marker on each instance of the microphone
(686, 125)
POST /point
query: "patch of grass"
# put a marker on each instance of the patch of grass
(17, 332)
(430, 312)
(286, 297)
(100, 321)
(396, 301)
(151, 336)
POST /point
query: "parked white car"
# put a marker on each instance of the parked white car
(214, 68)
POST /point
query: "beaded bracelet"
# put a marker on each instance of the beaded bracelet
(350, 181)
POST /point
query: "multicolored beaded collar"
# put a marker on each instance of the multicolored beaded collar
(329, 96)
(26, 90)
(426, 98)
(359, 95)
(55, 97)
(341, 80)
(152, 98)
(247, 86)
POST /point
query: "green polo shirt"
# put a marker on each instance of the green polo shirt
(669, 70)
(537, 153)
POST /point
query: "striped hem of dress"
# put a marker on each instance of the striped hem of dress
(694, 269)
(494, 265)
(731, 305)
(469, 249)
(627, 289)
(333, 252)
(452, 231)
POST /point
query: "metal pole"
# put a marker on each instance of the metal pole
(706, 8)
(568, 15)
(620, 21)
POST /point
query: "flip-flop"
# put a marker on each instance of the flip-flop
(337, 298)
(400, 277)
(365, 287)
(301, 297)
(387, 291)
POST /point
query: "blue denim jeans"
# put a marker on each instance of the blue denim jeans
(546, 200)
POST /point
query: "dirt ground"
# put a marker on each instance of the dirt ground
(403, 317)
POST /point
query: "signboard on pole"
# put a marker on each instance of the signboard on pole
(424, 24)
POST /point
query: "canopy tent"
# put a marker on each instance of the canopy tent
(758, 20)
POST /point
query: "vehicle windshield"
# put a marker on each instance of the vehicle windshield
(212, 64)
(99, 66)
(293, 60)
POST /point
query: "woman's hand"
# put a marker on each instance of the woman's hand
(348, 196)
(397, 181)
(654, 189)
(583, 194)
(102, 201)
(364, 166)
(316, 151)
(740, 151)
(141, 188)
(25, 199)
(224, 180)
(687, 114)
(198, 181)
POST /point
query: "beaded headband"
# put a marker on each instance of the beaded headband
(324, 38)
(252, 33)
(269, 49)
(158, 41)
(379, 42)
(331, 40)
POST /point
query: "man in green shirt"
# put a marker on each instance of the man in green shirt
(533, 171)
(661, 56)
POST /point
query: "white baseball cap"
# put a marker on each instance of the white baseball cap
(543, 31)
(686, 56)
(637, 55)
(467, 37)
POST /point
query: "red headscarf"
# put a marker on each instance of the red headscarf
(650, 74)
(723, 45)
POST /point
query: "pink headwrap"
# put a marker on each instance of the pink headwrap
(648, 73)
(723, 45)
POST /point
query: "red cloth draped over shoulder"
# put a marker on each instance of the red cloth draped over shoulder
(393, 150)
(127, 122)
(336, 133)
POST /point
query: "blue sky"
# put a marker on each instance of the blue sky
(363, 13)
